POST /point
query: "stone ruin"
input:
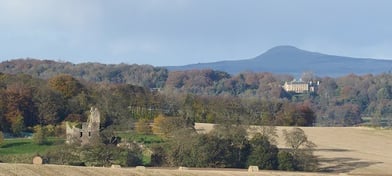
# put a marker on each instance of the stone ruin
(88, 132)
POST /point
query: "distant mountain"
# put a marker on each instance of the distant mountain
(294, 61)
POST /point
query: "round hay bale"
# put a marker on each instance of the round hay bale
(140, 168)
(182, 168)
(115, 166)
(38, 160)
(253, 169)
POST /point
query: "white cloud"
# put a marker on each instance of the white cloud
(125, 47)
(38, 13)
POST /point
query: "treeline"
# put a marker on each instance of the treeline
(228, 145)
(201, 94)
(27, 101)
(141, 75)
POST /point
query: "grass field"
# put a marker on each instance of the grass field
(23, 149)
(25, 146)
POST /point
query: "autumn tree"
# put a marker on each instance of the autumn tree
(158, 125)
(269, 133)
(51, 106)
(19, 107)
(171, 126)
(142, 126)
(66, 85)
(301, 149)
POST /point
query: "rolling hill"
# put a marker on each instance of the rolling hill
(294, 61)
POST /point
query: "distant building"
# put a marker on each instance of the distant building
(300, 86)
(89, 130)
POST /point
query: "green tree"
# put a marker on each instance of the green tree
(263, 154)
(39, 136)
(158, 156)
(106, 155)
(65, 154)
(1, 137)
(236, 136)
(17, 125)
(50, 105)
(286, 161)
(202, 150)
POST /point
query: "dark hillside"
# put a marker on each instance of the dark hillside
(294, 61)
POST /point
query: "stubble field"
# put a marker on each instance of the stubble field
(341, 151)
(350, 150)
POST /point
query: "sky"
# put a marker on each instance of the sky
(179, 32)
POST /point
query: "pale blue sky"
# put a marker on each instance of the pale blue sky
(178, 32)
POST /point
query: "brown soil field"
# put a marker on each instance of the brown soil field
(341, 151)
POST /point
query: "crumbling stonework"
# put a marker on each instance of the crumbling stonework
(87, 133)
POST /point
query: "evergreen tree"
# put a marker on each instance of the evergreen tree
(263, 154)
(286, 161)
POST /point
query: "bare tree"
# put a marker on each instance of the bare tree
(301, 149)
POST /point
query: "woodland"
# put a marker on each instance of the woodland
(130, 97)
(47, 92)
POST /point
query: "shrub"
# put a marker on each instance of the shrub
(1, 137)
(263, 154)
(286, 161)
(142, 126)
(39, 136)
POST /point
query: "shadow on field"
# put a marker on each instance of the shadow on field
(343, 164)
(14, 144)
(333, 150)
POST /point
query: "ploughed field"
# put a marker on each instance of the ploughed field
(341, 151)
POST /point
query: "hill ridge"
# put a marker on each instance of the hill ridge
(286, 59)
